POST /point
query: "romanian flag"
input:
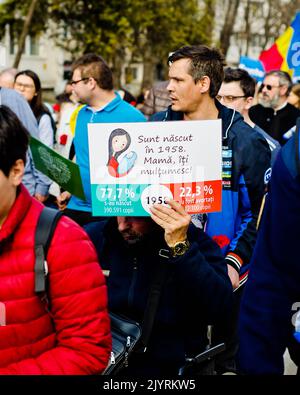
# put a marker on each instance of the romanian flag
(284, 54)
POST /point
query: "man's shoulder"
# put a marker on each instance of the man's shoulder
(129, 110)
(258, 107)
(291, 155)
(159, 116)
(167, 115)
(292, 110)
(11, 96)
(274, 144)
(241, 129)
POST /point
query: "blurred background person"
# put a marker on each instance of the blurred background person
(67, 102)
(28, 84)
(237, 92)
(273, 113)
(294, 96)
(158, 99)
(7, 78)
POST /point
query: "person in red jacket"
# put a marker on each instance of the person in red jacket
(73, 335)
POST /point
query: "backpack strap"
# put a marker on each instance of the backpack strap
(43, 234)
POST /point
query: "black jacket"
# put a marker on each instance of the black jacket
(275, 124)
(197, 292)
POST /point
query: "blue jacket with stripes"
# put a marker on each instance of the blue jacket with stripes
(246, 170)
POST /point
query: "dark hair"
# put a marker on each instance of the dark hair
(117, 132)
(13, 140)
(205, 61)
(296, 91)
(36, 102)
(92, 65)
(247, 83)
(284, 79)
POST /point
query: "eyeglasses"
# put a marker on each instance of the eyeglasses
(25, 86)
(76, 82)
(269, 87)
(228, 98)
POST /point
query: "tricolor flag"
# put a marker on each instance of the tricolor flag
(284, 54)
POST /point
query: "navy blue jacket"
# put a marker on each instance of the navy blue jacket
(246, 166)
(272, 295)
(197, 292)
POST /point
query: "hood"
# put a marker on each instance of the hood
(229, 117)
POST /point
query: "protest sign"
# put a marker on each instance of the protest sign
(61, 170)
(134, 165)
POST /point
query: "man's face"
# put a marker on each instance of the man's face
(133, 229)
(231, 95)
(80, 87)
(272, 93)
(184, 92)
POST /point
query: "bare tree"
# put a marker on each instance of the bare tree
(24, 33)
(227, 29)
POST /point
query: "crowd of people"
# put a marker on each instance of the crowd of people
(235, 271)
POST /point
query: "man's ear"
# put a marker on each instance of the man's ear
(249, 102)
(16, 172)
(204, 84)
(92, 83)
(283, 90)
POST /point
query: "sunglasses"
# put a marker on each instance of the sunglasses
(269, 87)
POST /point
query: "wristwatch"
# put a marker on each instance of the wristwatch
(179, 248)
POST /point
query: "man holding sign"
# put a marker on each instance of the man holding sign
(196, 74)
(195, 289)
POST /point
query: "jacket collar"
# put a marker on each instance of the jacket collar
(16, 214)
(228, 116)
(109, 106)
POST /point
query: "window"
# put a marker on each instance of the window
(130, 74)
(11, 40)
(33, 45)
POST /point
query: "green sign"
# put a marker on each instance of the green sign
(61, 170)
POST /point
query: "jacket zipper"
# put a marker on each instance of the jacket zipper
(132, 284)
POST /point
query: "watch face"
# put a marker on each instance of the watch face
(180, 248)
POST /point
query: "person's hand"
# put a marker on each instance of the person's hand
(234, 276)
(63, 199)
(41, 198)
(174, 220)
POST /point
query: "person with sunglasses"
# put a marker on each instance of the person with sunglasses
(273, 113)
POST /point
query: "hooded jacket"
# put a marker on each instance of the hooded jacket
(246, 170)
(73, 336)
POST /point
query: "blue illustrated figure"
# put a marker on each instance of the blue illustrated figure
(119, 141)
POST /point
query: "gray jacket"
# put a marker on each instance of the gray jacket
(34, 181)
